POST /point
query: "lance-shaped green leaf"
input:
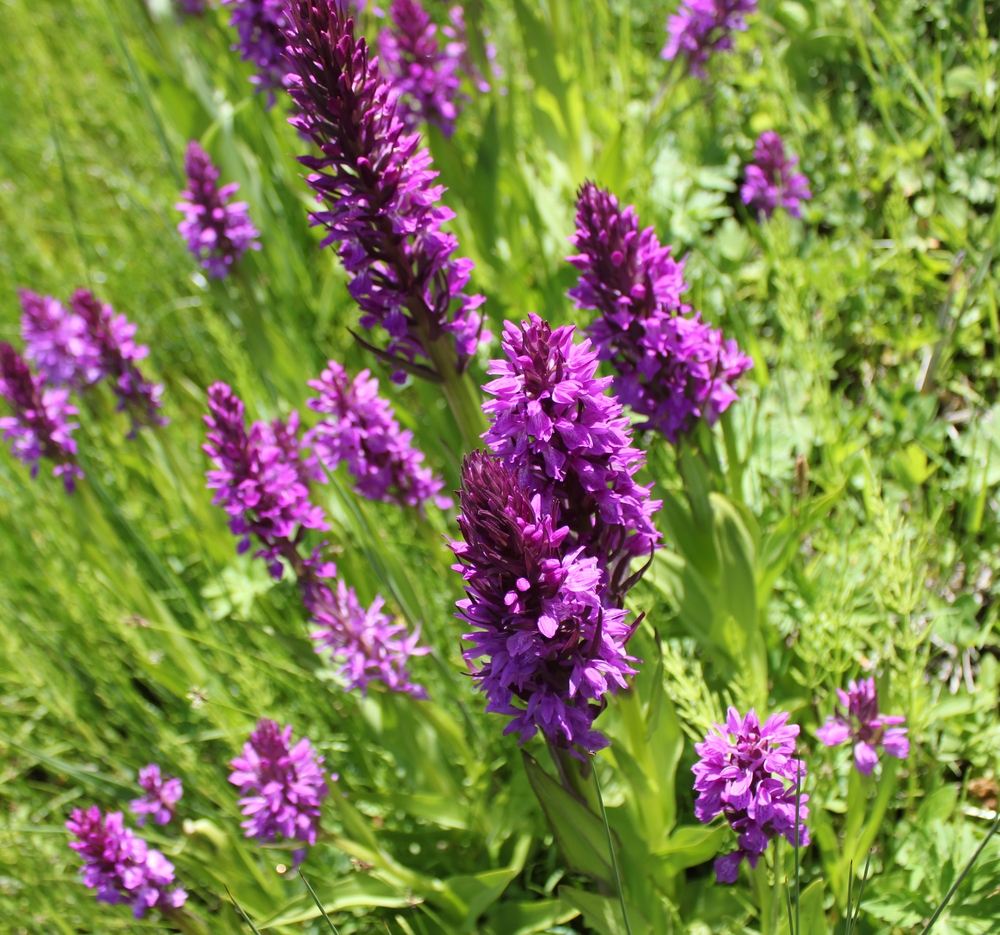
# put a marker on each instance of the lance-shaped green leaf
(579, 833)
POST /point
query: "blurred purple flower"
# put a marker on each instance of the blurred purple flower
(554, 427)
(217, 233)
(368, 643)
(536, 603)
(56, 341)
(361, 430)
(771, 181)
(40, 426)
(742, 775)
(160, 798)
(261, 25)
(379, 201)
(669, 365)
(120, 866)
(426, 77)
(192, 7)
(257, 481)
(701, 27)
(862, 724)
(112, 337)
(281, 786)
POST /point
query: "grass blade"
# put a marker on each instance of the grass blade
(962, 875)
(611, 849)
(239, 909)
(319, 905)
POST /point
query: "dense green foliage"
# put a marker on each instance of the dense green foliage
(851, 528)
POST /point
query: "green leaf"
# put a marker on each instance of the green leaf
(479, 891)
(357, 890)
(604, 915)
(527, 918)
(579, 833)
(689, 846)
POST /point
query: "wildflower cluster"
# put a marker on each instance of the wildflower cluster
(771, 179)
(261, 24)
(861, 723)
(218, 232)
(379, 200)
(281, 786)
(702, 27)
(551, 523)
(120, 866)
(360, 430)
(669, 365)
(261, 479)
(749, 774)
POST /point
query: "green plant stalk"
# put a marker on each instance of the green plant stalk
(764, 894)
(462, 394)
(611, 851)
(733, 463)
(870, 828)
(958, 880)
(319, 905)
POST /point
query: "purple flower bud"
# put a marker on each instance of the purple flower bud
(771, 181)
(549, 641)
(426, 77)
(160, 798)
(742, 774)
(701, 27)
(368, 643)
(56, 341)
(379, 201)
(112, 337)
(862, 724)
(555, 428)
(281, 786)
(259, 479)
(120, 866)
(360, 430)
(217, 233)
(261, 24)
(40, 426)
(669, 365)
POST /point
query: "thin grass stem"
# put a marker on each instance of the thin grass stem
(319, 905)
(611, 849)
(958, 880)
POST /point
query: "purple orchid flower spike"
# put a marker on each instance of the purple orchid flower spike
(261, 26)
(162, 795)
(57, 342)
(113, 338)
(360, 430)
(218, 232)
(700, 28)
(771, 179)
(39, 427)
(553, 650)
(368, 643)
(749, 774)
(120, 866)
(379, 201)
(426, 76)
(861, 723)
(669, 365)
(281, 785)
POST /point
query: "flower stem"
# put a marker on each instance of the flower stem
(461, 392)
